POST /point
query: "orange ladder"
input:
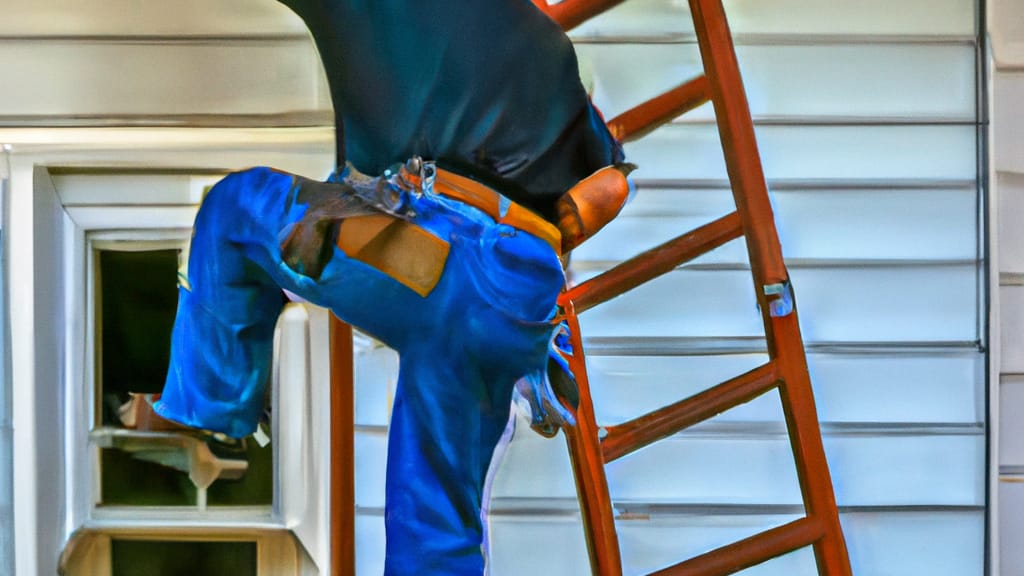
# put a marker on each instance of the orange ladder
(786, 369)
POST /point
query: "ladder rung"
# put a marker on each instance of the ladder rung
(750, 551)
(571, 13)
(663, 422)
(641, 120)
(654, 262)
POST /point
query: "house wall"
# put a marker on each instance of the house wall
(869, 133)
(1006, 28)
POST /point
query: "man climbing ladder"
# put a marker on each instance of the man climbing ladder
(476, 121)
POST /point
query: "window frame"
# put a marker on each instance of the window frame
(89, 229)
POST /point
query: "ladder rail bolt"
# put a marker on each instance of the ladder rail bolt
(780, 301)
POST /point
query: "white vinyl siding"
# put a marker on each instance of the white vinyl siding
(869, 138)
(866, 115)
(1010, 189)
(274, 79)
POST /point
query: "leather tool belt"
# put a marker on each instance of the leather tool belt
(498, 207)
(413, 256)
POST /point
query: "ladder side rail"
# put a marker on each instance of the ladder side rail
(588, 466)
(342, 507)
(808, 449)
(782, 330)
(739, 143)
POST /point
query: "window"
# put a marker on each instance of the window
(136, 297)
(132, 501)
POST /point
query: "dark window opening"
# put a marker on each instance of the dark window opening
(137, 296)
(163, 558)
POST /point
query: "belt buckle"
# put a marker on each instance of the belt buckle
(416, 176)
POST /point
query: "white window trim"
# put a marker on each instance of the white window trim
(48, 507)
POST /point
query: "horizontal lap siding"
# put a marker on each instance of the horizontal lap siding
(865, 114)
(1010, 242)
(86, 81)
(942, 543)
(184, 18)
(869, 143)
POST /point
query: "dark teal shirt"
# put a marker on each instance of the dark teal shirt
(491, 88)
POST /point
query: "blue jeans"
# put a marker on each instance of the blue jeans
(485, 324)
